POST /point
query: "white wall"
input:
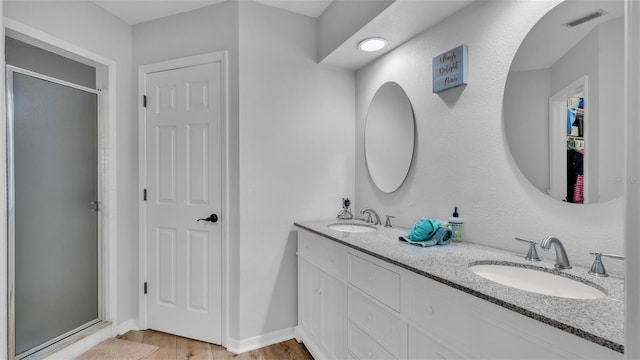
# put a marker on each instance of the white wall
(462, 157)
(88, 26)
(296, 155)
(291, 140)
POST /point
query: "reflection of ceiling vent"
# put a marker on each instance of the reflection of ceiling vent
(584, 19)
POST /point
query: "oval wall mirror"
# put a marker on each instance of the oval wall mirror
(563, 109)
(389, 137)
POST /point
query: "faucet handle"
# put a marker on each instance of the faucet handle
(387, 223)
(369, 218)
(617, 257)
(597, 268)
(532, 254)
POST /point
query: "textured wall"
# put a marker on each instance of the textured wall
(461, 156)
(296, 155)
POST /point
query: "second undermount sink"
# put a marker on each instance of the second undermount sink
(536, 280)
(352, 228)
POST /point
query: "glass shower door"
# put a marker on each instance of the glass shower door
(53, 197)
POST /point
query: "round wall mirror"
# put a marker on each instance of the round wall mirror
(389, 137)
(563, 108)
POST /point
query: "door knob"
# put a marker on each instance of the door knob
(212, 218)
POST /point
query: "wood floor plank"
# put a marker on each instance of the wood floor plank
(166, 343)
(286, 350)
(223, 354)
(188, 349)
(172, 347)
(133, 335)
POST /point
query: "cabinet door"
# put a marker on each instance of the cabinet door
(321, 309)
(423, 346)
(309, 299)
(333, 299)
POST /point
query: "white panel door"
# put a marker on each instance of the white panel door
(183, 180)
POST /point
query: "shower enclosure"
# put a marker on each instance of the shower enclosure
(54, 227)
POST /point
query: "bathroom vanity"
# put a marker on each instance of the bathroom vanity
(365, 295)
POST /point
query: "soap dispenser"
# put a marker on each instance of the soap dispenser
(456, 225)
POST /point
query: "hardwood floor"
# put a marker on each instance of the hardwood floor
(172, 347)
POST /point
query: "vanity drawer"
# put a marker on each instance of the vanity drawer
(382, 325)
(432, 305)
(363, 346)
(324, 253)
(423, 346)
(379, 282)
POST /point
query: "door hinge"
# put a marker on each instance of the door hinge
(144, 100)
(145, 288)
(144, 195)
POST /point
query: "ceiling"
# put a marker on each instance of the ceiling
(399, 22)
(137, 11)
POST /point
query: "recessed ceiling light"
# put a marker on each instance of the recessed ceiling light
(372, 44)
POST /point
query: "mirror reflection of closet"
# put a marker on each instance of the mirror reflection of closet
(575, 149)
(568, 131)
(552, 57)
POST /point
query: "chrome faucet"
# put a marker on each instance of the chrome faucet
(370, 212)
(562, 262)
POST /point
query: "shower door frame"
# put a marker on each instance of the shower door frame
(11, 198)
(107, 142)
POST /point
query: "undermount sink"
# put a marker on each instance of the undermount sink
(352, 228)
(536, 280)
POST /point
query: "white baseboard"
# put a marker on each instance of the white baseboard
(131, 324)
(256, 342)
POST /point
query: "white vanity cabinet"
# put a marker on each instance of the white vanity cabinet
(322, 296)
(355, 306)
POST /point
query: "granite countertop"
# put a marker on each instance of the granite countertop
(599, 320)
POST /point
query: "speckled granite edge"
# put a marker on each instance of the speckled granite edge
(530, 314)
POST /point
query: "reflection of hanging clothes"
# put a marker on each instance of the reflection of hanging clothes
(578, 191)
(571, 118)
(579, 122)
(574, 168)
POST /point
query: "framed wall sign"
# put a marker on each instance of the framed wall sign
(450, 69)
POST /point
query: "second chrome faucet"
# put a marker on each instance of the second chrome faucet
(562, 261)
(370, 212)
